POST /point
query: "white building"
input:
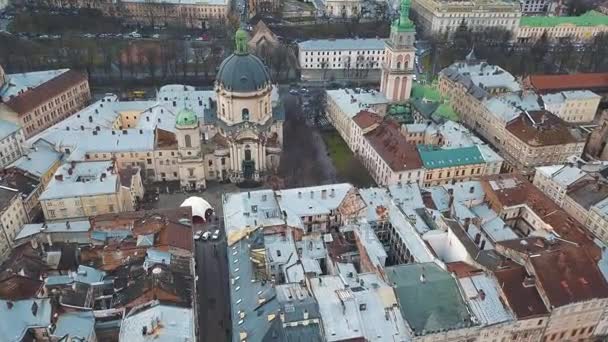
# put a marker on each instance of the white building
(12, 217)
(11, 138)
(439, 17)
(535, 6)
(573, 106)
(335, 59)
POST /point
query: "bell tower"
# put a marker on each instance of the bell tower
(398, 65)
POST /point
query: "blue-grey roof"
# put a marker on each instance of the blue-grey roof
(86, 179)
(79, 324)
(342, 44)
(243, 73)
(164, 323)
(88, 275)
(16, 320)
(7, 128)
(39, 159)
(59, 227)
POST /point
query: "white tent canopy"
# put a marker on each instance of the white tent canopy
(199, 206)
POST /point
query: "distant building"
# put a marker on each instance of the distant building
(37, 100)
(535, 6)
(341, 59)
(441, 17)
(545, 84)
(90, 188)
(578, 29)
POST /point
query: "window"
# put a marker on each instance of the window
(223, 161)
(188, 140)
(247, 154)
(51, 213)
(191, 172)
(210, 162)
(111, 208)
(245, 114)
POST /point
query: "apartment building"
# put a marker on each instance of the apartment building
(444, 166)
(90, 188)
(535, 7)
(12, 217)
(578, 29)
(37, 100)
(11, 140)
(491, 102)
(341, 59)
(573, 106)
(339, 8)
(440, 16)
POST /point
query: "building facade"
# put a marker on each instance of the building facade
(577, 29)
(12, 217)
(90, 188)
(441, 17)
(341, 59)
(37, 100)
(398, 66)
(11, 140)
(573, 106)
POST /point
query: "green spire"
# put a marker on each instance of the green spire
(240, 37)
(404, 23)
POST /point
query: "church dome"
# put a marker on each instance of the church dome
(242, 71)
(186, 117)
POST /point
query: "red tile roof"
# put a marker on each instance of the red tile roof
(16, 287)
(590, 81)
(569, 275)
(513, 189)
(547, 129)
(33, 98)
(525, 301)
(365, 119)
(393, 147)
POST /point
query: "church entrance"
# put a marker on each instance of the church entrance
(248, 169)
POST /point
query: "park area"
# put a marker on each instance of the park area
(348, 167)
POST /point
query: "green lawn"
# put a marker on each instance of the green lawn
(348, 168)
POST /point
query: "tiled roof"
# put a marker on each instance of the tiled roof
(33, 98)
(590, 81)
(437, 158)
(365, 119)
(547, 129)
(525, 301)
(15, 287)
(393, 147)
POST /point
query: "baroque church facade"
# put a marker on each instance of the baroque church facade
(241, 130)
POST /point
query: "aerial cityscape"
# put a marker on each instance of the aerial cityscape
(303, 170)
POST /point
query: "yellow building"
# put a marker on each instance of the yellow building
(580, 28)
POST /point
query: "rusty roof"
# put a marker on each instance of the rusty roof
(554, 83)
(525, 301)
(513, 189)
(33, 98)
(393, 147)
(569, 275)
(541, 128)
(165, 139)
(16, 287)
(367, 119)
(462, 269)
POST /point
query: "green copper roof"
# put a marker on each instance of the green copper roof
(429, 297)
(446, 111)
(437, 158)
(240, 38)
(591, 18)
(186, 117)
(420, 91)
(404, 23)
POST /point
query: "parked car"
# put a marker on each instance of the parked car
(293, 92)
(216, 235)
(198, 235)
(206, 236)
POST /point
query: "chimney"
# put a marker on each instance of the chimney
(422, 278)
(312, 194)
(324, 194)
(482, 294)
(333, 192)
(9, 304)
(67, 225)
(305, 314)
(59, 177)
(299, 194)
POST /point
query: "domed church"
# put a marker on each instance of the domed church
(242, 128)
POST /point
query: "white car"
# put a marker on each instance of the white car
(198, 235)
(216, 235)
(206, 236)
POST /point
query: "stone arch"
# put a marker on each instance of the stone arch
(188, 140)
(396, 87)
(399, 61)
(403, 88)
